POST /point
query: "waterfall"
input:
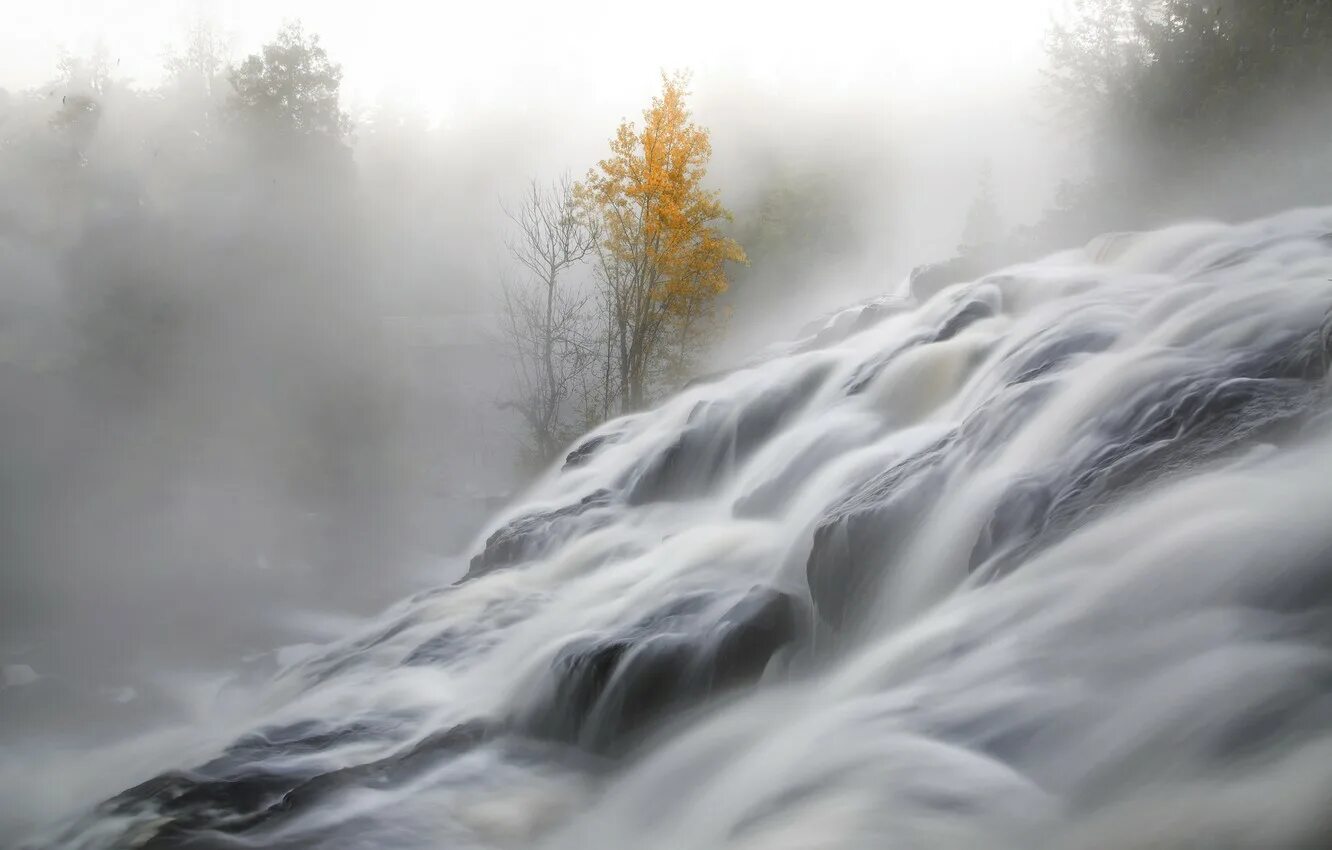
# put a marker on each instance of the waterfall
(1041, 560)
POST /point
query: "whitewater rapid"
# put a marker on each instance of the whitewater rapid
(1040, 560)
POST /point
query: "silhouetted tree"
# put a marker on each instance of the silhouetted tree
(85, 75)
(290, 88)
(196, 85)
(200, 65)
(1175, 94)
(545, 320)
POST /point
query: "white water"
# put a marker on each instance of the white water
(1071, 567)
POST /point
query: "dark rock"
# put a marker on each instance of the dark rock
(606, 693)
(295, 739)
(388, 771)
(869, 370)
(775, 493)
(443, 647)
(193, 801)
(584, 451)
(855, 543)
(468, 639)
(529, 536)
(342, 658)
(858, 538)
(1022, 511)
(832, 329)
(719, 437)
(1053, 351)
(964, 317)
(1162, 430)
(196, 809)
(959, 319)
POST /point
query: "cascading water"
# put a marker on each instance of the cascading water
(1042, 560)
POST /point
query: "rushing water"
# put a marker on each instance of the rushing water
(1043, 560)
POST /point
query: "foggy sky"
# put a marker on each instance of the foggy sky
(948, 86)
(445, 58)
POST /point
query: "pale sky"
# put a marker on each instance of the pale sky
(445, 56)
(951, 84)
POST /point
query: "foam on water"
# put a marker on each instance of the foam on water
(1043, 560)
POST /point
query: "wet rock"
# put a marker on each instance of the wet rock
(774, 494)
(233, 796)
(529, 536)
(606, 693)
(295, 739)
(584, 451)
(854, 545)
(344, 657)
(686, 466)
(970, 311)
(858, 538)
(179, 809)
(831, 330)
(1020, 514)
(1053, 352)
(866, 372)
(441, 648)
(389, 771)
(964, 317)
(718, 438)
(1163, 430)
(456, 644)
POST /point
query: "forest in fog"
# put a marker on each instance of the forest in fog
(259, 352)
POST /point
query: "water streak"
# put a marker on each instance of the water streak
(1042, 560)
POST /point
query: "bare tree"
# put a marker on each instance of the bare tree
(546, 321)
(201, 62)
(88, 76)
(197, 73)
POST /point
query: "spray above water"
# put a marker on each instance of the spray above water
(1039, 560)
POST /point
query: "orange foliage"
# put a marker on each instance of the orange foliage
(663, 257)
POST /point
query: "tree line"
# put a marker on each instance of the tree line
(285, 95)
(621, 277)
(188, 324)
(1180, 95)
(1184, 108)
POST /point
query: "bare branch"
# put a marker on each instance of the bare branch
(545, 316)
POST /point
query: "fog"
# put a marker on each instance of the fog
(254, 393)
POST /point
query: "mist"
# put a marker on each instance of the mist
(257, 386)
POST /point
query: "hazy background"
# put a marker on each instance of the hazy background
(249, 392)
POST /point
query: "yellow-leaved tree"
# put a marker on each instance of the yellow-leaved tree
(662, 260)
